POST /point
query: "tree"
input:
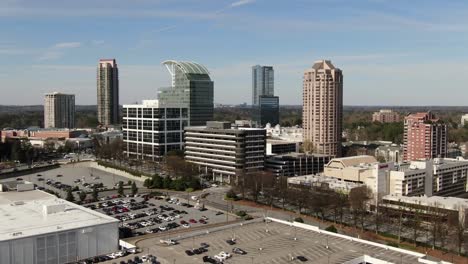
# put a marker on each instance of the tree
(167, 182)
(415, 222)
(457, 223)
(134, 188)
(331, 228)
(157, 182)
(120, 189)
(82, 195)
(95, 194)
(307, 147)
(70, 196)
(358, 198)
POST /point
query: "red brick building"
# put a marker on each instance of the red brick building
(386, 116)
(425, 137)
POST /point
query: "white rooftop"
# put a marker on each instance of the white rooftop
(22, 215)
(453, 203)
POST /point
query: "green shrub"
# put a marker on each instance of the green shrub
(393, 244)
(299, 220)
(241, 213)
(248, 217)
(331, 228)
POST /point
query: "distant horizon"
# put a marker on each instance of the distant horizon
(391, 52)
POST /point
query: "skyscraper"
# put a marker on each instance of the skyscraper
(262, 82)
(425, 137)
(322, 112)
(108, 92)
(265, 104)
(191, 86)
(59, 110)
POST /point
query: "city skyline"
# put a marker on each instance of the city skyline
(385, 48)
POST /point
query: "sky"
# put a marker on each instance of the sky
(391, 52)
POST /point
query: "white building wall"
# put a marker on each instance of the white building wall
(85, 243)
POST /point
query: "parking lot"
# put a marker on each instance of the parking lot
(69, 176)
(145, 215)
(276, 246)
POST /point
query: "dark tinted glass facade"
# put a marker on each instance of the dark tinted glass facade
(267, 111)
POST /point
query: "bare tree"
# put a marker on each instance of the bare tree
(358, 198)
(282, 189)
(415, 222)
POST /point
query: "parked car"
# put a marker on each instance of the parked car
(238, 251)
(231, 242)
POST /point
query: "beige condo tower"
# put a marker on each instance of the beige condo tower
(322, 108)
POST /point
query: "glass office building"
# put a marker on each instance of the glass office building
(263, 82)
(267, 110)
(192, 87)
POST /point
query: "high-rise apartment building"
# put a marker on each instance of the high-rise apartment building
(322, 113)
(191, 86)
(386, 116)
(108, 92)
(262, 82)
(59, 110)
(425, 137)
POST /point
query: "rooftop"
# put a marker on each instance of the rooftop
(453, 203)
(355, 160)
(24, 214)
(187, 67)
(284, 240)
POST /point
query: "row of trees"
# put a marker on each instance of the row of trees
(20, 150)
(359, 208)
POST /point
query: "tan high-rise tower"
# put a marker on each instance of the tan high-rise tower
(322, 108)
(59, 110)
(108, 92)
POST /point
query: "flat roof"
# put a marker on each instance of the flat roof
(452, 203)
(21, 215)
(278, 245)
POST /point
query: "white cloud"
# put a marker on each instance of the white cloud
(57, 50)
(241, 3)
(67, 45)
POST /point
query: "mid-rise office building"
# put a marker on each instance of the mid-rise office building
(386, 116)
(59, 110)
(37, 227)
(263, 82)
(425, 137)
(108, 92)
(322, 116)
(440, 176)
(224, 151)
(296, 164)
(192, 87)
(151, 130)
(267, 110)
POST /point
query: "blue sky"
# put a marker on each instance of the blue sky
(392, 52)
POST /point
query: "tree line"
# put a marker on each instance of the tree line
(364, 210)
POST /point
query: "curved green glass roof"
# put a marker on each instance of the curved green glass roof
(188, 67)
